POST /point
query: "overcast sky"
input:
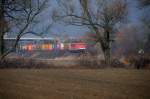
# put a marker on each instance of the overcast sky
(75, 31)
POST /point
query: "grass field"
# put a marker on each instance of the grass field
(74, 84)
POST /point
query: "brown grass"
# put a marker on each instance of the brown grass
(74, 84)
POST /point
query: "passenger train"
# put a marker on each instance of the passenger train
(46, 44)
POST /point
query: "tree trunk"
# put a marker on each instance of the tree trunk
(2, 27)
(2, 47)
(107, 49)
(107, 55)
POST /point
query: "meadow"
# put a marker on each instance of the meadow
(74, 84)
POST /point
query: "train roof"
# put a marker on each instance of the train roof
(30, 38)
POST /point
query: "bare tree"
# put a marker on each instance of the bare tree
(100, 16)
(144, 2)
(18, 18)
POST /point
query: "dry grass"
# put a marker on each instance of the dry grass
(74, 84)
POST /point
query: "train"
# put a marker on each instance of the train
(46, 44)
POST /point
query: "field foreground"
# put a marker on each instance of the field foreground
(74, 84)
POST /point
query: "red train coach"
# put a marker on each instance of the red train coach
(78, 46)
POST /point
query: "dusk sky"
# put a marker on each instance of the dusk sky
(58, 28)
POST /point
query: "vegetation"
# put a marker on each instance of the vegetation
(16, 18)
(78, 76)
(100, 16)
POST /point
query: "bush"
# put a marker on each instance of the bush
(23, 63)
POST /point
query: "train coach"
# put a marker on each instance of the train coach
(45, 44)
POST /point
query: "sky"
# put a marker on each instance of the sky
(133, 18)
(75, 31)
(57, 29)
